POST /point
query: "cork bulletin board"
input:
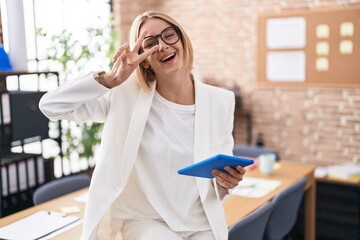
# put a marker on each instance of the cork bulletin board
(312, 47)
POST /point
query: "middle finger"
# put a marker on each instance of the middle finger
(121, 49)
(234, 172)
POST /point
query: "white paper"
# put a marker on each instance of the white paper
(286, 66)
(70, 226)
(320, 172)
(82, 198)
(37, 225)
(344, 171)
(255, 187)
(286, 33)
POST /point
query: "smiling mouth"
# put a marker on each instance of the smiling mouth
(168, 58)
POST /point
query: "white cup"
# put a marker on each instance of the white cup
(266, 163)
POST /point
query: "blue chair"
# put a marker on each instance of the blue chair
(252, 227)
(253, 151)
(59, 187)
(286, 206)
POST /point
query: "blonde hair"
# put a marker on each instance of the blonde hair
(145, 76)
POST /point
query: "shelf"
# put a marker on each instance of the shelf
(22, 123)
(18, 73)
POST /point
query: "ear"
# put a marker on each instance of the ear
(145, 64)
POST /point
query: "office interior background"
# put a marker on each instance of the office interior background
(316, 123)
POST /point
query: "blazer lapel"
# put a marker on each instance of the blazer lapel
(201, 133)
(136, 129)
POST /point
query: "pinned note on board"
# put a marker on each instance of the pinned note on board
(330, 49)
(347, 29)
(322, 64)
(322, 48)
(286, 66)
(286, 33)
(322, 31)
(346, 47)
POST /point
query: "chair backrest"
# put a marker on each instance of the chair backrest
(252, 226)
(59, 187)
(286, 206)
(253, 151)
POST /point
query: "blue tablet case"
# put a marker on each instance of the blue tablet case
(204, 168)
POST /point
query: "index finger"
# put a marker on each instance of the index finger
(139, 41)
(148, 52)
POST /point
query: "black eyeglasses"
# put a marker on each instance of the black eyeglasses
(169, 35)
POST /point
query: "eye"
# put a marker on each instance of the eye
(149, 43)
(169, 34)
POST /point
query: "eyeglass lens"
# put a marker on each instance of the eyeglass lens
(169, 36)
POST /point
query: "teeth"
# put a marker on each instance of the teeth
(164, 59)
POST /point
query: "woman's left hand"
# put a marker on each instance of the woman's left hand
(230, 179)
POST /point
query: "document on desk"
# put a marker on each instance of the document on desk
(255, 187)
(37, 225)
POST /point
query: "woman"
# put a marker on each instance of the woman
(155, 123)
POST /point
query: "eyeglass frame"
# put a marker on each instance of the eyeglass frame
(177, 30)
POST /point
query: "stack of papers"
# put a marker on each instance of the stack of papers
(36, 226)
(82, 198)
(345, 171)
(348, 172)
(255, 187)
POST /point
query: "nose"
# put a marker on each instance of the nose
(162, 45)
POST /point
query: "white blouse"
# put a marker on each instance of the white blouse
(166, 147)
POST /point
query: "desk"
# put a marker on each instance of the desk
(236, 207)
(53, 205)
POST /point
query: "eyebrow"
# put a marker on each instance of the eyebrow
(159, 32)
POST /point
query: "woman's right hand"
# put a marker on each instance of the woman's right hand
(126, 61)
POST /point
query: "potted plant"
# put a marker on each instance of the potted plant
(71, 57)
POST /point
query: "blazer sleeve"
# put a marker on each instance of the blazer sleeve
(228, 145)
(82, 99)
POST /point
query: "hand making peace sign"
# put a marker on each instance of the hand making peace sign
(126, 60)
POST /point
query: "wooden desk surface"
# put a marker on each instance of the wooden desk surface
(236, 207)
(54, 205)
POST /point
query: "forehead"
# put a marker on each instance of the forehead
(153, 26)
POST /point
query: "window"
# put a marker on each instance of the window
(59, 19)
(52, 17)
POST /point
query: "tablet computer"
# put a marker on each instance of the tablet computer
(204, 168)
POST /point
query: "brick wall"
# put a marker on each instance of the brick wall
(318, 125)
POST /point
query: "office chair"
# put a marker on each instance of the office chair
(253, 151)
(59, 187)
(286, 206)
(252, 227)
